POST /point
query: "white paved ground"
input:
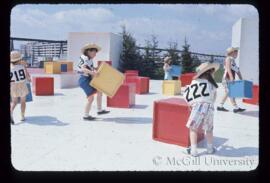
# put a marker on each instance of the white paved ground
(54, 137)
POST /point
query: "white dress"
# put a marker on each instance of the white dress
(200, 94)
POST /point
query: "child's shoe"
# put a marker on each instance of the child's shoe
(211, 150)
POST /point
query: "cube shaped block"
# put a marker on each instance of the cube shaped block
(169, 122)
(69, 65)
(171, 87)
(176, 70)
(52, 67)
(64, 68)
(240, 89)
(108, 62)
(132, 72)
(186, 78)
(108, 81)
(255, 99)
(142, 83)
(43, 85)
(124, 97)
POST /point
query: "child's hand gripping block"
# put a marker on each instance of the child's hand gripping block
(176, 70)
(108, 80)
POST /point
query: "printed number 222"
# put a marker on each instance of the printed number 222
(195, 93)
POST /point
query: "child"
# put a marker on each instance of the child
(167, 67)
(87, 71)
(230, 68)
(201, 95)
(18, 86)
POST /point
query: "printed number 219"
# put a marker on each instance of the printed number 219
(20, 75)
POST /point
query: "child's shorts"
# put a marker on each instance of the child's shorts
(18, 89)
(84, 84)
(201, 116)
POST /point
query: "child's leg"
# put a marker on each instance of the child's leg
(193, 141)
(224, 98)
(23, 107)
(99, 101)
(13, 104)
(209, 137)
(88, 105)
(210, 147)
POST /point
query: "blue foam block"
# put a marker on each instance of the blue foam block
(175, 70)
(63, 67)
(240, 89)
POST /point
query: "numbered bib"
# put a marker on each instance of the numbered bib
(17, 74)
(198, 91)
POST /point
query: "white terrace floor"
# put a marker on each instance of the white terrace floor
(55, 137)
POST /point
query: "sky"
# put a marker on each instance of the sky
(207, 27)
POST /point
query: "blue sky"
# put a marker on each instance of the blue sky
(208, 28)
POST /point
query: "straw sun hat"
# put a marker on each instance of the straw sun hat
(89, 46)
(166, 59)
(15, 56)
(205, 67)
(231, 49)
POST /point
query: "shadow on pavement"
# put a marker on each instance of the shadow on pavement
(250, 113)
(44, 121)
(131, 120)
(230, 151)
(217, 141)
(139, 106)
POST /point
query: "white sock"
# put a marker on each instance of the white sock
(86, 115)
(209, 146)
(193, 148)
(236, 107)
(221, 105)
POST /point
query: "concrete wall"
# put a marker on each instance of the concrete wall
(245, 35)
(111, 46)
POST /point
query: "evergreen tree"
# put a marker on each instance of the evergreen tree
(173, 53)
(189, 63)
(150, 57)
(130, 56)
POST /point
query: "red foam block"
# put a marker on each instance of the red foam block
(124, 97)
(186, 78)
(142, 83)
(135, 72)
(43, 85)
(255, 98)
(169, 122)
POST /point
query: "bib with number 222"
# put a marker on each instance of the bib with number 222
(198, 91)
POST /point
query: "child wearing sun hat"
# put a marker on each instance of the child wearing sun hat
(87, 72)
(201, 95)
(230, 69)
(18, 86)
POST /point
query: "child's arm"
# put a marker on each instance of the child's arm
(228, 68)
(28, 77)
(88, 71)
(239, 75)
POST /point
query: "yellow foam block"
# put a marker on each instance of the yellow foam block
(69, 64)
(171, 87)
(108, 81)
(52, 67)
